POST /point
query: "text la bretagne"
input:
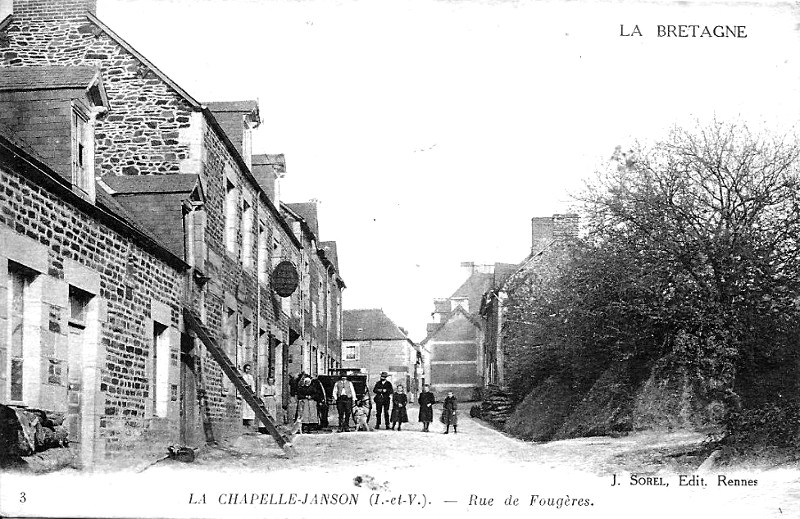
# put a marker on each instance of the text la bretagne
(689, 31)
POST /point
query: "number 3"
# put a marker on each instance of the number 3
(22, 497)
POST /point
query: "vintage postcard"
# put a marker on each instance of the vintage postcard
(429, 258)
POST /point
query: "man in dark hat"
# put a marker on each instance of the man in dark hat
(383, 392)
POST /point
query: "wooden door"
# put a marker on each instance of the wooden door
(188, 396)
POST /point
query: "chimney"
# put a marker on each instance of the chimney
(238, 119)
(565, 227)
(268, 171)
(463, 302)
(558, 229)
(50, 10)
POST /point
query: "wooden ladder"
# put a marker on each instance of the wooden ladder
(194, 322)
(202, 398)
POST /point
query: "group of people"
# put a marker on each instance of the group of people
(269, 394)
(386, 394)
(312, 402)
(311, 410)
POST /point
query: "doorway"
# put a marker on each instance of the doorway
(188, 395)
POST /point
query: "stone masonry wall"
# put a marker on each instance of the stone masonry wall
(230, 280)
(141, 133)
(151, 129)
(37, 9)
(131, 280)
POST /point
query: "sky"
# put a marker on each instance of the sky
(432, 131)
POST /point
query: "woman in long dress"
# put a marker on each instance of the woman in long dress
(399, 411)
(306, 405)
(248, 415)
(269, 392)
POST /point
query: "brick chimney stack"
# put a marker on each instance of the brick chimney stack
(51, 10)
(558, 229)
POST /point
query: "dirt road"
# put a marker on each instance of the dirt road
(411, 473)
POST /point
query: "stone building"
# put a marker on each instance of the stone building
(453, 348)
(320, 295)
(549, 236)
(373, 343)
(90, 300)
(218, 220)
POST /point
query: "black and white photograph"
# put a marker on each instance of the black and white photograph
(423, 258)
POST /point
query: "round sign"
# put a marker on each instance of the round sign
(285, 279)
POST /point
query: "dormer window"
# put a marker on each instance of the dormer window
(68, 99)
(82, 153)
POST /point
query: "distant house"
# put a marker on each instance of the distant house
(372, 342)
(549, 237)
(453, 350)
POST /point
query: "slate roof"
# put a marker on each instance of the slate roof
(308, 212)
(233, 106)
(269, 159)
(131, 184)
(369, 325)
(47, 77)
(207, 112)
(105, 208)
(156, 201)
(473, 289)
(277, 161)
(331, 253)
(458, 310)
(104, 199)
(503, 271)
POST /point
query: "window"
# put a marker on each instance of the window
(54, 372)
(277, 251)
(262, 355)
(18, 290)
(313, 313)
(245, 355)
(19, 280)
(230, 329)
(82, 153)
(231, 216)
(247, 235)
(78, 305)
(286, 306)
(160, 369)
(351, 351)
(263, 252)
(230, 332)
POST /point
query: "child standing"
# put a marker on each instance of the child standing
(450, 413)
(426, 401)
(399, 411)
